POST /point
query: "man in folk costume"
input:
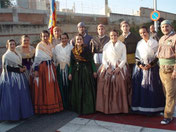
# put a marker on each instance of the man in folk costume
(153, 33)
(97, 44)
(82, 30)
(130, 40)
(166, 55)
(56, 33)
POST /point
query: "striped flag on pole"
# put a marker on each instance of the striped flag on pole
(52, 20)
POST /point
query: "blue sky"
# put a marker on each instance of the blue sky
(117, 6)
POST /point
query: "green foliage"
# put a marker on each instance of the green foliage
(5, 3)
(174, 24)
(135, 29)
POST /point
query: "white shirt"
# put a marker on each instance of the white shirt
(114, 54)
(63, 53)
(146, 51)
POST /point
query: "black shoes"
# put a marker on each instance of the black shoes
(166, 121)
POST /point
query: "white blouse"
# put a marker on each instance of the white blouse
(146, 51)
(114, 54)
(63, 53)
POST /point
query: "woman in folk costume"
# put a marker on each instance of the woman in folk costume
(63, 52)
(148, 96)
(82, 73)
(46, 93)
(15, 101)
(27, 52)
(113, 92)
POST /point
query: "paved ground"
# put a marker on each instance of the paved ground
(39, 123)
(89, 125)
(67, 121)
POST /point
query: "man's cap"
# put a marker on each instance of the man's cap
(81, 24)
(166, 22)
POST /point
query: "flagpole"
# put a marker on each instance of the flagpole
(155, 8)
(53, 18)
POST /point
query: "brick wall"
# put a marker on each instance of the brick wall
(42, 17)
(31, 18)
(76, 18)
(6, 17)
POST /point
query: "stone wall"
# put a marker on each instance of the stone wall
(133, 20)
(145, 12)
(15, 31)
(27, 16)
(15, 22)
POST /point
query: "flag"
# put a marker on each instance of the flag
(52, 20)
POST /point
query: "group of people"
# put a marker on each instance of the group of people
(110, 74)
